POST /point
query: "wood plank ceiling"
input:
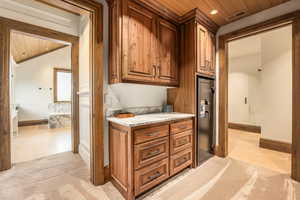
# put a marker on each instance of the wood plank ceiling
(228, 10)
(25, 47)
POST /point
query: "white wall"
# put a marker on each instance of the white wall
(276, 85)
(244, 81)
(40, 14)
(269, 92)
(13, 76)
(279, 10)
(84, 89)
(34, 74)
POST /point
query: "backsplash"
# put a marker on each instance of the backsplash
(120, 98)
(136, 110)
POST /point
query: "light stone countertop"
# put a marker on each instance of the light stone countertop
(145, 119)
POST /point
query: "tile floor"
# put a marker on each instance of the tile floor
(244, 146)
(65, 176)
(35, 142)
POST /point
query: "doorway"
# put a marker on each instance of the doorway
(260, 99)
(94, 12)
(14, 31)
(288, 19)
(40, 97)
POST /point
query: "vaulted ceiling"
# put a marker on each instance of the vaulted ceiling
(25, 47)
(228, 10)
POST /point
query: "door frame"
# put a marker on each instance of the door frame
(9, 26)
(288, 19)
(94, 11)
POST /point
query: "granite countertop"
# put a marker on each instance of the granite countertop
(145, 119)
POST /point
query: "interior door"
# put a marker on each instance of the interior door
(140, 40)
(167, 68)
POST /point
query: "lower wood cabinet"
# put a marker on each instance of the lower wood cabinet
(144, 156)
(150, 176)
(180, 161)
(150, 152)
(181, 141)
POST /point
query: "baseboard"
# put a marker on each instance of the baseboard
(84, 152)
(107, 176)
(33, 122)
(275, 145)
(85, 155)
(245, 127)
(218, 151)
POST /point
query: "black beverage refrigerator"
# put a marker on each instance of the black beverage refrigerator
(205, 137)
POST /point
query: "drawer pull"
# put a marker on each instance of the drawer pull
(182, 127)
(154, 153)
(182, 160)
(153, 134)
(182, 142)
(156, 175)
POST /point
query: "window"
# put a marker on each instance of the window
(62, 89)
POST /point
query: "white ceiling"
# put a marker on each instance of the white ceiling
(248, 51)
(40, 14)
(246, 46)
(252, 45)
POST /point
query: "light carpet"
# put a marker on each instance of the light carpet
(65, 177)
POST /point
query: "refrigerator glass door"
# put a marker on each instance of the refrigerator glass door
(205, 129)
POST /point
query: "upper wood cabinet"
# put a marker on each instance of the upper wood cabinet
(139, 42)
(143, 46)
(197, 57)
(206, 50)
(167, 52)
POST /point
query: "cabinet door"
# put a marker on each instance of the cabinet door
(138, 44)
(167, 68)
(201, 48)
(210, 53)
(212, 64)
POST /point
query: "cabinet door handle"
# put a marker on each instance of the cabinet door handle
(154, 70)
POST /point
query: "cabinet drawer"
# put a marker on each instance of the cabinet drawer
(180, 161)
(147, 134)
(181, 141)
(150, 176)
(181, 126)
(153, 151)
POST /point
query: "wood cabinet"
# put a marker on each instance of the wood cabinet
(144, 156)
(143, 46)
(139, 42)
(197, 58)
(206, 51)
(167, 53)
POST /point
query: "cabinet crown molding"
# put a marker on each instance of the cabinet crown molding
(201, 18)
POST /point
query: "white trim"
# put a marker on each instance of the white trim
(84, 152)
(83, 93)
(85, 105)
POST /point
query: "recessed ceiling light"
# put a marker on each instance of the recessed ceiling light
(213, 12)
